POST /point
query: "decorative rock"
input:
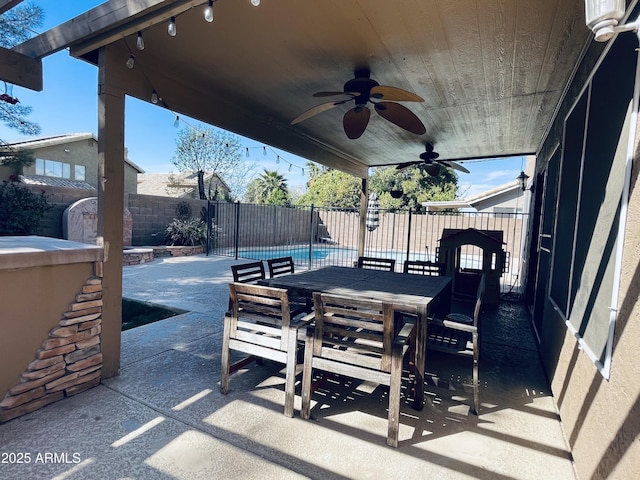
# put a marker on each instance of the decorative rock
(85, 305)
(64, 331)
(26, 386)
(86, 363)
(90, 324)
(92, 288)
(6, 415)
(26, 376)
(11, 401)
(80, 354)
(80, 313)
(95, 340)
(80, 319)
(42, 354)
(61, 383)
(91, 382)
(85, 297)
(39, 364)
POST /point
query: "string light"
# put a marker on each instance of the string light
(131, 61)
(176, 123)
(208, 12)
(140, 41)
(264, 151)
(277, 158)
(289, 167)
(154, 97)
(247, 152)
(171, 29)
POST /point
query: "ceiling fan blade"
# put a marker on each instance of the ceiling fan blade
(432, 169)
(385, 92)
(402, 166)
(323, 107)
(333, 94)
(401, 116)
(454, 165)
(355, 122)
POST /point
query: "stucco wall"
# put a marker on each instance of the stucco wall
(601, 417)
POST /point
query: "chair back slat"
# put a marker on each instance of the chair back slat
(280, 266)
(373, 263)
(248, 272)
(422, 267)
(360, 329)
(255, 303)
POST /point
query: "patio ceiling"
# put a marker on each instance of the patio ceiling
(491, 72)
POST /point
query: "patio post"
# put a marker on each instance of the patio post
(110, 207)
(364, 200)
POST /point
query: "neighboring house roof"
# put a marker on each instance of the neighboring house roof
(33, 143)
(176, 185)
(54, 182)
(472, 202)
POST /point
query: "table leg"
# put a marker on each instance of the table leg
(421, 343)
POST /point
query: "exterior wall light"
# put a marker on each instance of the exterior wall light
(522, 179)
(602, 16)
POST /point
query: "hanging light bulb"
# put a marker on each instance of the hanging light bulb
(176, 123)
(289, 167)
(208, 12)
(140, 41)
(171, 29)
(154, 97)
(131, 61)
(277, 158)
(247, 152)
(226, 148)
(264, 151)
(255, 3)
(302, 172)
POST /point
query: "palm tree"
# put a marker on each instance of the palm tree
(272, 188)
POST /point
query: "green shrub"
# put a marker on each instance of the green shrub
(186, 232)
(21, 210)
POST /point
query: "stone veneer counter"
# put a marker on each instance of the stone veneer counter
(51, 323)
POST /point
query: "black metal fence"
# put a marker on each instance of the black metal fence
(316, 237)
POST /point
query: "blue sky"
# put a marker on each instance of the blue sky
(68, 104)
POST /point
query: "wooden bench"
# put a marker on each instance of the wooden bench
(374, 263)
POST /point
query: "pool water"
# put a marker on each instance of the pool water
(299, 254)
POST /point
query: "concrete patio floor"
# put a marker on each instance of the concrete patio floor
(163, 417)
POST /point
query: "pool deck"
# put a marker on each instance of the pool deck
(163, 417)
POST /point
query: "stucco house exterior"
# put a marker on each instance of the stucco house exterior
(69, 160)
(181, 185)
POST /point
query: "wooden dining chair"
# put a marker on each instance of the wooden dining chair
(280, 266)
(260, 324)
(357, 338)
(458, 334)
(373, 263)
(422, 267)
(248, 272)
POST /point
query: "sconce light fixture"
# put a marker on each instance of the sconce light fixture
(602, 16)
(522, 178)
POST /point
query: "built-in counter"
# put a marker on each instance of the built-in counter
(50, 319)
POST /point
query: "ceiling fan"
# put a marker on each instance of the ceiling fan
(362, 90)
(428, 158)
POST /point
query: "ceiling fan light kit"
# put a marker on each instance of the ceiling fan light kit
(362, 89)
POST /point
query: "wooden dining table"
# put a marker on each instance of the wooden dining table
(419, 295)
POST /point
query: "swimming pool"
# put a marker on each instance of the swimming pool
(299, 254)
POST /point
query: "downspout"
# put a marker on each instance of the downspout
(622, 223)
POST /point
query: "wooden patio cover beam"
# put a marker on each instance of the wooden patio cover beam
(103, 25)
